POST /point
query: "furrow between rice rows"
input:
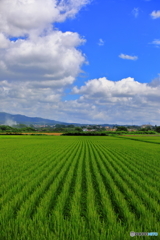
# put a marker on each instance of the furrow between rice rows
(135, 171)
(30, 206)
(133, 193)
(47, 203)
(32, 172)
(147, 192)
(27, 191)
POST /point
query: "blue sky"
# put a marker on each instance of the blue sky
(125, 27)
(81, 61)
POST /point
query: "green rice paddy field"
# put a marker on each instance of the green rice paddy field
(79, 188)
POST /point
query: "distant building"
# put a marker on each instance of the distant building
(146, 126)
(131, 130)
(85, 129)
(88, 130)
(111, 129)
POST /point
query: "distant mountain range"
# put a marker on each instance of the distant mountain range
(11, 119)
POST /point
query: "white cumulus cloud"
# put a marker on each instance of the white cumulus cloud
(4, 42)
(101, 101)
(43, 54)
(37, 66)
(128, 57)
(156, 42)
(51, 57)
(155, 14)
(37, 61)
(125, 88)
(20, 17)
(120, 101)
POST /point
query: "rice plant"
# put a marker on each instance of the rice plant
(78, 187)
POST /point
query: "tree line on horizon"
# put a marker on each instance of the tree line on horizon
(75, 130)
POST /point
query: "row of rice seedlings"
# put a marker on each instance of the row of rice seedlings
(28, 230)
(74, 184)
(15, 166)
(84, 189)
(11, 207)
(154, 139)
(124, 146)
(107, 212)
(33, 174)
(92, 215)
(146, 139)
(22, 226)
(79, 194)
(132, 153)
(142, 190)
(97, 194)
(25, 161)
(110, 226)
(139, 179)
(68, 188)
(22, 180)
(57, 220)
(123, 213)
(13, 151)
(98, 229)
(146, 165)
(152, 190)
(15, 160)
(48, 202)
(136, 204)
(29, 206)
(81, 224)
(35, 229)
(136, 168)
(140, 152)
(77, 226)
(110, 204)
(27, 173)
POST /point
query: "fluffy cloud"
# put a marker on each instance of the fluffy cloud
(128, 57)
(4, 42)
(43, 53)
(37, 66)
(156, 42)
(44, 56)
(27, 97)
(37, 61)
(121, 101)
(21, 17)
(100, 101)
(155, 14)
(52, 57)
(155, 82)
(123, 90)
